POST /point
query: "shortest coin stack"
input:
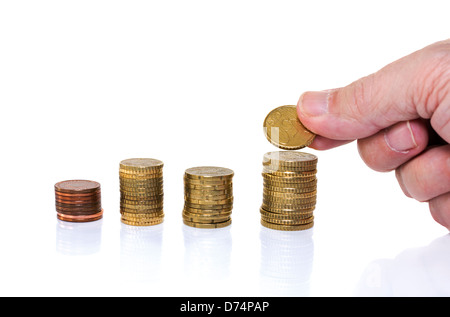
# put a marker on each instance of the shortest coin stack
(141, 191)
(290, 190)
(78, 201)
(208, 197)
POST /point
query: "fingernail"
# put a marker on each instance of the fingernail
(399, 176)
(400, 138)
(314, 103)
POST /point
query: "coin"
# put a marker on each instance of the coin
(283, 129)
(207, 225)
(275, 194)
(80, 218)
(289, 159)
(77, 186)
(209, 172)
(299, 215)
(205, 218)
(287, 227)
(217, 211)
(290, 173)
(152, 222)
(141, 163)
(285, 210)
(277, 189)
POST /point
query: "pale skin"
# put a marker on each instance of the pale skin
(400, 117)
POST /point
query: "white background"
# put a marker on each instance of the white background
(86, 84)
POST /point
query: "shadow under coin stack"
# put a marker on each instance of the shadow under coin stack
(78, 201)
(141, 191)
(208, 197)
(290, 190)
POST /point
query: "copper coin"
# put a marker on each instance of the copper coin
(77, 186)
(80, 218)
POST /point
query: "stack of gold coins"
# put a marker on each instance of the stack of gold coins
(141, 191)
(290, 190)
(78, 200)
(208, 197)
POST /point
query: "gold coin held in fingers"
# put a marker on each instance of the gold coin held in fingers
(283, 129)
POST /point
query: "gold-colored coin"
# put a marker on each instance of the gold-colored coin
(190, 186)
(299, 215)
(149, 195)
(144, 194)
(289, 159)
(285, 209)
(207, 214)
(206, 182)
(287, 227)
(141, 164)
(141, 203)
(209, 208)
(291, 221)
(290, 190)
(143, 173)
(217, 211)
(283, 169)
(191, 197)
(289, 196)
(207, 225)
(132, 215)
(289, 201)
(225, 201)
(205, 218)
(139, 178)
(142, 223)
(288, 180)
(209, 173)
(288, 174)
(141, 187)
(140, 212)
(150, 212)
(208, 192)
(143, 218)
(283, 129)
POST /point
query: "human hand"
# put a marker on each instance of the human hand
(400, 116)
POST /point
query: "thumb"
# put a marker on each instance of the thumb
(416, 86)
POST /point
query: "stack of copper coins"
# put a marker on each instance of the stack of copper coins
(78, 201)
(141, 191)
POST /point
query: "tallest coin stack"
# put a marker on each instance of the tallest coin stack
(290, 190)
(141, 191)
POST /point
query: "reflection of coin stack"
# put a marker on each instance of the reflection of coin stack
(286, 262)
(78, 200)
(208, 193)
(207, 254)
(289, 195)
(141, 191)
(140, 253)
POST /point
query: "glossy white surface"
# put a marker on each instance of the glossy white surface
(87, 84)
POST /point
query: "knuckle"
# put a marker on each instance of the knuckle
(433, 85)
(372, 154)
(359, 97)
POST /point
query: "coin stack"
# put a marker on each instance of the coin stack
(290, 189)
(78, 200)
(141, 191)
(208, 197)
